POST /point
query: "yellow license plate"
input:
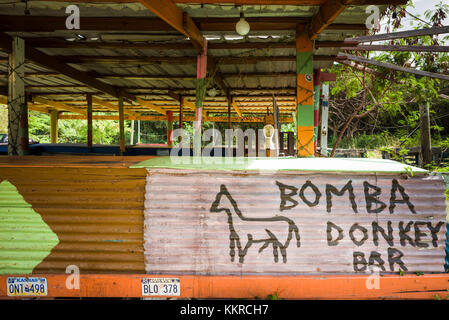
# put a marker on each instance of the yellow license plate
(25, 287)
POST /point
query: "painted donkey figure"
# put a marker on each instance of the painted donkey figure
(235, 241)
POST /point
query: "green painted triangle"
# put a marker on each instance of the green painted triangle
(25, 239)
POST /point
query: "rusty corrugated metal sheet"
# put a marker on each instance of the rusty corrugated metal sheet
(96, 213)
(188, 230)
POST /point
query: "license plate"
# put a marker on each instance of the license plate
(161, 287)
(21, 286)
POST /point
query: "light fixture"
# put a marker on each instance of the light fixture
(212, 92)
(242, 27)
(81, 37)
(70, 39)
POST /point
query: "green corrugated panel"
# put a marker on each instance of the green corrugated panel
(25, 239)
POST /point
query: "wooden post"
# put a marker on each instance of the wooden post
(121, 126)
(316, 106)
(304, 92)
(89, 120)
(54, 126)
(201, 69)
(131, 138)
(426, 146)
(138, 131)
(170, 128)
(181, 120)
(229, 114)
(17, 105)
(324, 119)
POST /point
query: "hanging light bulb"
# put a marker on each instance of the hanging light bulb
(212, 92)
(242, 27)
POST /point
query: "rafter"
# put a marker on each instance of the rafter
(236, 108)
(54, 64)
(327, 13)
(79, 59)
(151, 106)
(397, 68)
(58, 105)
(112, 107)
(181, 21)
(397, 48)
(15, 23)
(180, 45)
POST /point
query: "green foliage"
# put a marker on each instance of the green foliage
(273, 296)
(75, 131)
(366, 141)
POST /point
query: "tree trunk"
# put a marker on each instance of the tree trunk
(426, 147)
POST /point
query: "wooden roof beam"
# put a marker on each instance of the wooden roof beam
(22, 23)
(401, 34)
(112, 107)
(151, 106)
(396, 68)
(327, 13)
(181, 21)
(53, 63)
(79, 59)
(58, 105)
(397, 48)
(178, 98)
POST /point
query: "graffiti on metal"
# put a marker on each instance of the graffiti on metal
(269, 239)
(293, 223)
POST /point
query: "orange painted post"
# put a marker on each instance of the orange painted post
(304, 91)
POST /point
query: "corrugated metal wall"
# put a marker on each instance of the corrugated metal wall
(96, 213)
(188, 229)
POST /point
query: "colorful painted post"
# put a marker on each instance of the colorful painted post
(89, 120)
(17, 105)
(201, 69)
(316, 106)
(170, 128)
(54, 126)
(121, 121)
(324, 119)
(304, 92)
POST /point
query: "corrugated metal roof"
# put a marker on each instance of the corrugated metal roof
(351, 14)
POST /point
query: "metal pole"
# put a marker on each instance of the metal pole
(324, 119)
